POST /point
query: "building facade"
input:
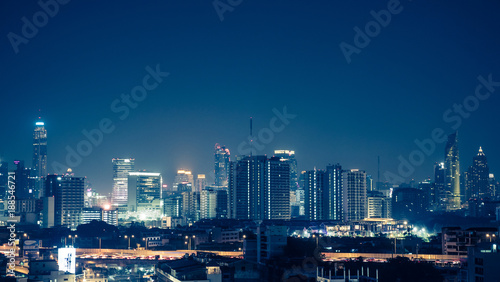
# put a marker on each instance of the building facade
(121, 169)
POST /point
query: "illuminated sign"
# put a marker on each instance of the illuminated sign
(39, 123)
(31, 248)
(66, 259)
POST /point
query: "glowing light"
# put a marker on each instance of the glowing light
(39, 123)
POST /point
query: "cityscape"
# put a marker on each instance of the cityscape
(211, 142)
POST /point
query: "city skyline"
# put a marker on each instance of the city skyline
(399, 88)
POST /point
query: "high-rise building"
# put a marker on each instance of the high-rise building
(208, 204)
(477, 177)
(144, 191)
(69, 200)
(259, 188)
(191, 206)
(221, 166)
(4, 179)
(172, 206)
(408, 203)
(185, 179)
(314, 185)
(452, 174)
(438, 195)
(121, 170)
(378, 205)
(39, 156)
(24, 182)
(355, 195)
(333, 200)
(289, 156)
(200, 182)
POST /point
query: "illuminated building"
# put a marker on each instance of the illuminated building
(356, 195)
(183, 181)
(333, 200)
(477, 178)
(452, 173)
(144, 191)
(221, 165)
(259, 188)
(208, 204)
(314, 185)
(378, 206)
(39, 156)
(69, 200)
(4, 176)
(200, 183)
(121, 169)
(289, 156)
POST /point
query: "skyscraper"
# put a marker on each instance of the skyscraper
(121, 170)
(314, 185)
(452, 174)
(289, 156)
(333, 199)
(183, 181)
(221, 166)
(477, 178)
(356, 195)
(200, 182)
(4, 179)
(144, 192)
(259, 188)
(39, 166)
(69, 200)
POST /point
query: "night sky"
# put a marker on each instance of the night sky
(263, 55)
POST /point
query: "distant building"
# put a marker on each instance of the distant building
(48, 270)
(378, 206)
(183, 181)
(144, 192)
(356, 195)
(208, 204)
(408, 203)
(221, 165)
(110, 216)
(172, 205)
(289, 156)
(121, 170)
(4, 179)
(452, 173)
(439, 195)
(191, 206)
(314, 185)
(69, 200)
(259, 188)
(269, 243)
(39, 156)
(200, 182)
(477, 178)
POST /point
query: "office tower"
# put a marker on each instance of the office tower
(200, 183)
(144, 192)
(356, 195)
(121, 169)
(378, 205)
(494, 185)
(69, 200)
(426, 187)
(259, 188)
(314, 184)
(408, 203)
(39, 166)
(48, 212)
(222, 208)
(185, 179)
(191, 206)
(439, 194)
(289, 156)
(172, 205)
(4, 179)
(208, 204)
(333, 197)
(221, 166)
(477, 177)
(452, 173)
(24, 182)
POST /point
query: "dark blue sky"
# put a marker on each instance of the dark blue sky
(263, 55)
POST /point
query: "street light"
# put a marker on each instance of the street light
(129, 240)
